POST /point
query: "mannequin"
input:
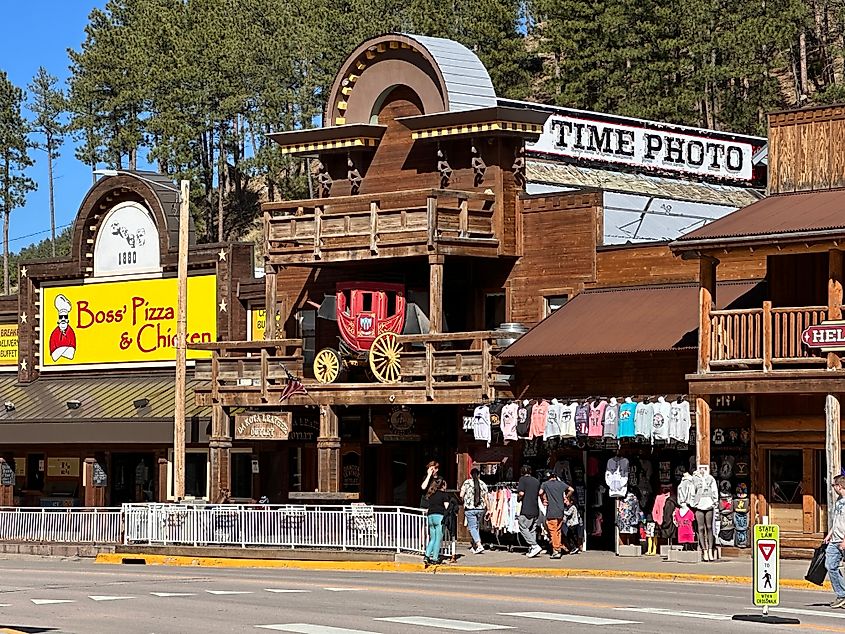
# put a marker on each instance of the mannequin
(683, 519)
(704, 502)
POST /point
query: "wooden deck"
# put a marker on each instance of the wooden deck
(384, 225)
(446, 369)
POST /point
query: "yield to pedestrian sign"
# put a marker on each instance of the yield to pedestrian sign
(766, 565)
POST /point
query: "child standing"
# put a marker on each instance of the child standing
(573, 530)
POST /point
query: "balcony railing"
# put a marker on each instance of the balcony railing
(390, 224)
(763, 337)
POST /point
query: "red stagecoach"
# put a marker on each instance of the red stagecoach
(369, 316)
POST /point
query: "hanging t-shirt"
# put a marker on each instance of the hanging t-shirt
(508, 421)
(538, 420)
(582, 419)
(496, 413)
(679, 421)
(596, 427)
(626, 419)
(567, 420)
(481, 423)
(616, 476)
(644, 419)
(611, 419)
(660, 422)
(684, 521)
(552, 429)
(523, 420)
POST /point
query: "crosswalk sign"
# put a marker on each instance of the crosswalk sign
(766, 565)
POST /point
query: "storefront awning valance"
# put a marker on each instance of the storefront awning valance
(622, 320)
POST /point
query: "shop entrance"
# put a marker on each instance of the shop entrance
(132, 478)
(393, 476)
(786, 488)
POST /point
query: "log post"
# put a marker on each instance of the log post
(161, 480)
(768, 339)
(328, 451)
(833, 448)
(834, 299)
(435, 293)
(270, 303)
(706, 302)
(702, 430)
(220, 450)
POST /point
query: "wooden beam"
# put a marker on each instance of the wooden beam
(328, 451)
(220, 450)
(834, 299)
(270, 304)
(702, 430)
(706, 303)
(833, 449)
(435, 293)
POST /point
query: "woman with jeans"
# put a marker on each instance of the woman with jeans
(438, 502)
(474, 496)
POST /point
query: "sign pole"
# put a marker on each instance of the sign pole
(181, 348)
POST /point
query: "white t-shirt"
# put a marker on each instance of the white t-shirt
(679, 421)
(481, 423)
(660, 421)
(616, 477)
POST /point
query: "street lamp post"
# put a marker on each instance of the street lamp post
(183, 193)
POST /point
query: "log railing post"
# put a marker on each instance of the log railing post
(706, 301)
(767, 336)
(318, 232)
(485, 367)
(431, 213)
(374, 209)
(215, 371)
(429, 370)
(265, 367)
(463, 218)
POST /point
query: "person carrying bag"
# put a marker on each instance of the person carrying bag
(817, 570)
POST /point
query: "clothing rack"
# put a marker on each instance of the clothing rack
(497, 534)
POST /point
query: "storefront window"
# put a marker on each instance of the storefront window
(196, 475)
(241, 475)
(786, 489)
(295, 469)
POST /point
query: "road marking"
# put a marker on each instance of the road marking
(50, 601)
(283, 590)
(108, 598)
(707, 616)
(173, 594)
(229, 591)
(343, 589)
(305, 628)
(445, 624)
(569, 618)
(826, 615)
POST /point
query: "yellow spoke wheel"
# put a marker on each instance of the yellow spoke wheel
(384, 358)
(327, 365)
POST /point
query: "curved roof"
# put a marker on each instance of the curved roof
(468, 83)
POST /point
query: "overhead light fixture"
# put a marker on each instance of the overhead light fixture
(10, 407)
(74, 404)
(141, 403)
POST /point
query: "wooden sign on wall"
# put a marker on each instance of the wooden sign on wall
(263, 426)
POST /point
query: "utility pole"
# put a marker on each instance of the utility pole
(181, 345)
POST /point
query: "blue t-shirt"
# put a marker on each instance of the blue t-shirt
(627, 412)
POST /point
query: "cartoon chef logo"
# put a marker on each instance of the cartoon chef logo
(63, 339)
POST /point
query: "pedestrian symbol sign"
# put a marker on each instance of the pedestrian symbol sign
(766, 565)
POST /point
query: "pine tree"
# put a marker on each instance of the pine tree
(48, 106)
(14, 159)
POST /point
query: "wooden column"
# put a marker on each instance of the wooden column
(220, 452)
(702, 430)
(833, 448)
(706, 303)
(435, 292)
(270, 303)
(328, 450)
(834, 299)
(161, 488)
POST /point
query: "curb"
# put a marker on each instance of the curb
(376, 566)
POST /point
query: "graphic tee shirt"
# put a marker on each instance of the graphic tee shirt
(644, 419)
(481, 423)
(538, 420)
(530, 486)
(616, 476)
(660, 422)
(626, 419)
(552, 429)
(555, 491)
(523, 420)
(611, 419)
(679, 421)
(582, 419)
(508, 421)
(567, 420)
(596, 417)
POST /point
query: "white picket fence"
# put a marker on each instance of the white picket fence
(354, 527)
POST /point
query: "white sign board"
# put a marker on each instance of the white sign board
(127, 242)
(646, 145)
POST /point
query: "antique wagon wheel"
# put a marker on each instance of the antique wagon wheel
(384, 358)
(327, 365)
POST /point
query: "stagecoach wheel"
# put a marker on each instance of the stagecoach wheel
(327, 365)
(384, 358)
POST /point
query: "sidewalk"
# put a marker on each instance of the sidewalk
(495, 562)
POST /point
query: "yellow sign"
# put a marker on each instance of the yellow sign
(766, 564)
(258, 323)
(63, 467)
(123, 322)
(8, 344)
(20, 467)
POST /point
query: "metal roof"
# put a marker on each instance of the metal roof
(778, 216)
(467, 81)
(102, 399)
(622, 320)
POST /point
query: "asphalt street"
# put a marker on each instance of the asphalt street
(48, 595)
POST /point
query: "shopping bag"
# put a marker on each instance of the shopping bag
(817, 571)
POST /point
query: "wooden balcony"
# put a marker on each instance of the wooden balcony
(761, 339)
(385, 225)
(449, 368)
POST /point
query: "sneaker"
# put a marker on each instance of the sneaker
(838, 603)
(535, 550)
(479, 550)
(574, 551)
(556, 555)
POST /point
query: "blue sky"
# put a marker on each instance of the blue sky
(37, 33)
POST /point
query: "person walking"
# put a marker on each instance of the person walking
(552, 493)
(835, 540)
(438, 501)
(474, 495)
(528, 492)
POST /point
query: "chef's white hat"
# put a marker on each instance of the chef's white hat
(62, 304)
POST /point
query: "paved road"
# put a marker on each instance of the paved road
(38, 595)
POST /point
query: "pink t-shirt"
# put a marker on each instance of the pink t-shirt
(538, 420)
(686, 534)
(595, 428)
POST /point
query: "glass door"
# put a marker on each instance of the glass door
(786, 489)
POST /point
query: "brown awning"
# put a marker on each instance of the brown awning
(620, 320)
(336, 138)
(796, 216)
